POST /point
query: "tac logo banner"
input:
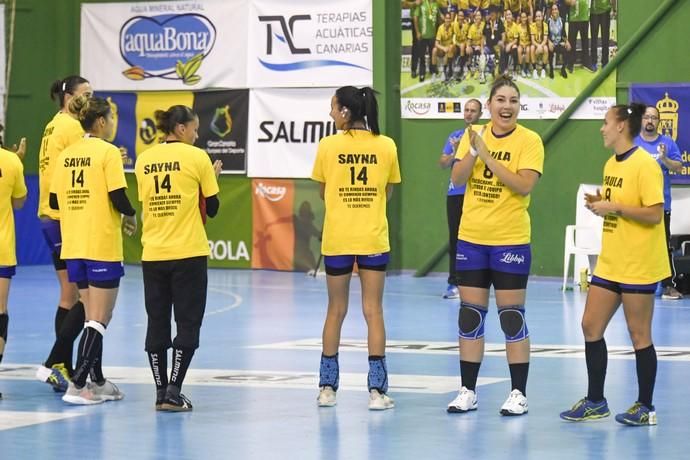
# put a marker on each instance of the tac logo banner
(164, 45)
(673, 102)
(282, 139)
(309, 43)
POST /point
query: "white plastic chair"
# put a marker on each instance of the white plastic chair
(590, 250)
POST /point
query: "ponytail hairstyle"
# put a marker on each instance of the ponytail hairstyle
(175, 115)
(632, 113)
(68, 85)
(88, 109)
(362, 105)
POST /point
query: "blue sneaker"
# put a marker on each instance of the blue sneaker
(451, 292)
(585, 409)
(638, 415)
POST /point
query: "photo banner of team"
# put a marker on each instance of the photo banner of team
(453, 49)
(672, 100)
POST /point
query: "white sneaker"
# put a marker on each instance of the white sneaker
(543, 74)
(81, 396)
(380, 401)
(535, 74)
(108, 391)
(516, 404)
(465, 401)
(326, 397)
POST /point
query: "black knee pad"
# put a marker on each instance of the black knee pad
(513, 323)
(471, 321)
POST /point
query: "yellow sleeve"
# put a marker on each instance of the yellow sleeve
(394, 175)
(19, 189)
(532, 156)
(651, 185)
(317, 172)
(207, 176)
(139, 174)
(56, 180)
(439, 34)
(464, 146)
(113, 170)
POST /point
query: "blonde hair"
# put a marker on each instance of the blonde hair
(88, 109)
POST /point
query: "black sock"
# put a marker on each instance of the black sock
(469, 372)
(158, 360)
(181, 359)
(518, 376)
(60, 315)
(645, 359)
(596, 356)
(70, 329)
(91, 341)
(4, 322)
(96, 372)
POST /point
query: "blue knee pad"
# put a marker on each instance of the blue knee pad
(377, 379)
(471, 321)
(329, 372)
(513, 323)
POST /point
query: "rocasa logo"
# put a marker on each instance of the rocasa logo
(418, 108)
(169, 46)
(270, 192)
(225, 250)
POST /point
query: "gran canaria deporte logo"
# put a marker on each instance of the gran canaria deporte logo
(169, 46)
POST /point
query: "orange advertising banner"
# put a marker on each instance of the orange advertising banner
(273, 228)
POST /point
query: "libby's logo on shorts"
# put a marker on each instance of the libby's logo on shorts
(509, 258)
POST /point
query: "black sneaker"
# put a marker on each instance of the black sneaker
(160, 397)
(564, 74)
(178, 403)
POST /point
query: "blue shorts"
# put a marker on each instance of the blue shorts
(7, 271)
(516, 259)
(86, 272)
(51, 232)
(622, 288)
(342, 265)
(53, 237)
(504, 267)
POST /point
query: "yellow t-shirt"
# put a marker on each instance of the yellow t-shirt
(537, 34)
(445, 35)
(84, 174)
(476, 34)
(525, 35)
(356, 166)
(460, 31)
(62, 131)
(633, 252)
(492, 213)
(463, 4)
(169, 177)
(512, 32)
(11, 186)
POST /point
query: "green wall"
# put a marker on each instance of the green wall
(46, 47)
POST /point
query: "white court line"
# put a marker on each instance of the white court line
(491, 349)
(16, 419)
(399, 383)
